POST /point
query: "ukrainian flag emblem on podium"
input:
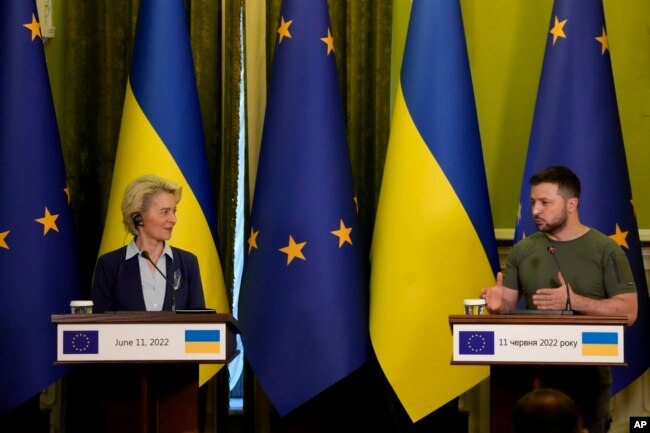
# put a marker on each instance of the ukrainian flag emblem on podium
(599, 344)
(202, 341)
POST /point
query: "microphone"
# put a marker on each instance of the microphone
(567, 310)
(177, 282)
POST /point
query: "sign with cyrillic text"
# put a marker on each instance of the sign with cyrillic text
(490, 343)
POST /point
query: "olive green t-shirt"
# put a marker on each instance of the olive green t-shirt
(593, 265)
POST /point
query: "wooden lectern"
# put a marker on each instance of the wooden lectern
(148, 362)
(525, 342)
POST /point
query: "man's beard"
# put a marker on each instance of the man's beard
(554, 226)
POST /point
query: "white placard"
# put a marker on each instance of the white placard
(546, 343)
(141, 342)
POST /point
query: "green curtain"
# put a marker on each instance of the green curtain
(97, 55)
(363, 54)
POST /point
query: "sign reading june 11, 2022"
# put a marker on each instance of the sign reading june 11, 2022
(150, 342)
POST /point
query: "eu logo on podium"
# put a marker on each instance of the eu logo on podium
(80, 342)
(476, 342)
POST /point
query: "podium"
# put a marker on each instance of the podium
(148, 363)
(517, 346)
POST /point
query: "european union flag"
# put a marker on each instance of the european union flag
(80, 342)
(304, 296)
(576, 124)
(38, 262)
(476, 342)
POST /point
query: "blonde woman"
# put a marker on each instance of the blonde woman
(148, 274)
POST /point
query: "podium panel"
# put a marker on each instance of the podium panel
(144, 366)
(538, 339)
(145, 337)
(527, 351)
(145, 342)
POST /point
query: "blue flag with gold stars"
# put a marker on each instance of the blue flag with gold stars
(38, 262)
(576, 124)
(304, 297)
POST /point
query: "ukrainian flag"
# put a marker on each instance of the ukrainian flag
(202, 341)
(600, 344)
(162, 133)
(433, 243)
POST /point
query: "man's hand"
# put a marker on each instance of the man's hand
(499, 297)
(552, 298)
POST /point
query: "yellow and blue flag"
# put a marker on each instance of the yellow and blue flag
(162, 133)
(202, 341)
(304, 298)
(599, 344)
(433, 243)
(576, 124)
(38, 259)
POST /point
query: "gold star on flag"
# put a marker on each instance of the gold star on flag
(3, 243)
(558, 30)
(343, 234)
(35, 27)
(67, 191)
(604, 42)
(619, 237)
(48, 221)
(293, 250)
(329, 40)
(283, 30)
(252, 240)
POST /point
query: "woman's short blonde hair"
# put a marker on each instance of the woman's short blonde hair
(139, 194)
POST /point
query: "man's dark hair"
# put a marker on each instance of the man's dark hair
(546, 410)
(567, 181)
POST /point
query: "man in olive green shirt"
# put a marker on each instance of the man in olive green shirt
(596, 280)
(594, 266)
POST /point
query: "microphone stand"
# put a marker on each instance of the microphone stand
(567, 310)
(174, 287)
